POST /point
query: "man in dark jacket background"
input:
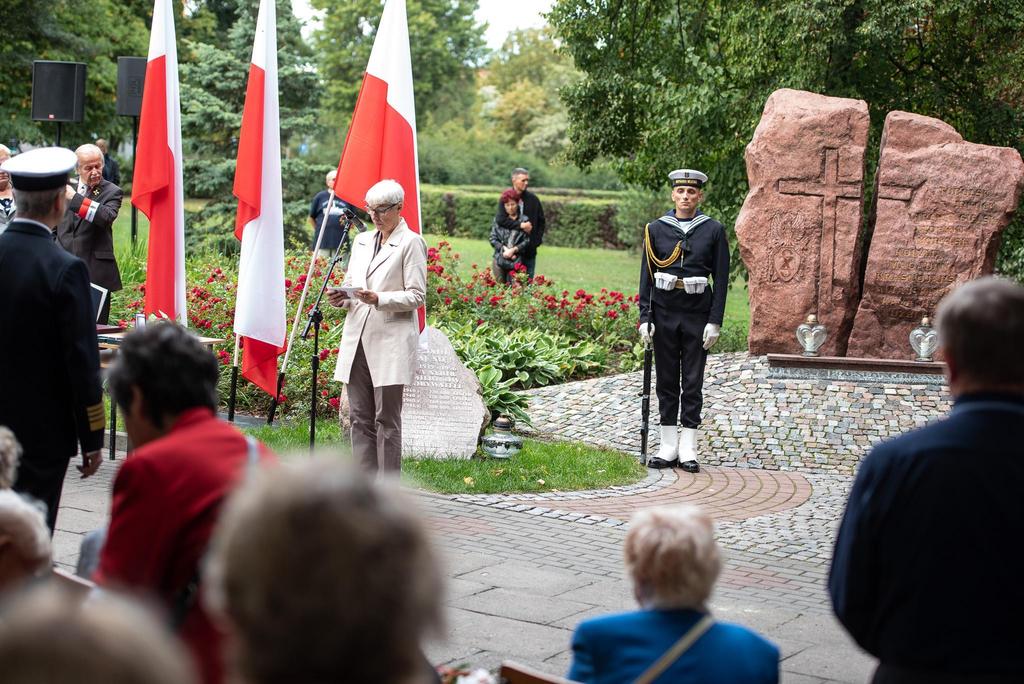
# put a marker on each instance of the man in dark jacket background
(111, 171)
(926, 574)
(532, 218)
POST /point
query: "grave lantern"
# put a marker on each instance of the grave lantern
(924, 340)
(502, 443)
(811, 335)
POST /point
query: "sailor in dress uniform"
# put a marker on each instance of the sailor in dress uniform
(684, 277)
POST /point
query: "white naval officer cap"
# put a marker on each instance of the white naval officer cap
(44, 168)
(688, 177)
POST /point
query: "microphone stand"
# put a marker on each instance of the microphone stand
(316, 317)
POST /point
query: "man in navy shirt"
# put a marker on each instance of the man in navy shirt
(334, 231)
(928, 565)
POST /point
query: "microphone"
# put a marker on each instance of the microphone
(354, 220)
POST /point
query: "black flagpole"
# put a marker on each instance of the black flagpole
(316, 317)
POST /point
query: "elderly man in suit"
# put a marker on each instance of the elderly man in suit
(87, 227)
(49, 360)
(378, 345)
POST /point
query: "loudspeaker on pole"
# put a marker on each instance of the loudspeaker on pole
(58, 91)
(131, 77)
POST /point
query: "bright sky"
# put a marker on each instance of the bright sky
(505, 16)
(502, 17)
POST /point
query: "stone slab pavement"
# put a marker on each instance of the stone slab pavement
(523, 571)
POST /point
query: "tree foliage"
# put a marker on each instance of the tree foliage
(52, 30)
(214, 72)
(670, 84)
(522, 93)
(446, 42)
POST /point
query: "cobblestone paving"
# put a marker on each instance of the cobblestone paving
(750, 419)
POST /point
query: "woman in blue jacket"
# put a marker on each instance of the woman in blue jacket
(673, 559)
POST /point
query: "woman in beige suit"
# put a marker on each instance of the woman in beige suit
(377, 355)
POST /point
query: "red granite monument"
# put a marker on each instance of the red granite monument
(941, 204)
(799, 228)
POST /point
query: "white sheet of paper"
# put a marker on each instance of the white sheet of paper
(350, 291)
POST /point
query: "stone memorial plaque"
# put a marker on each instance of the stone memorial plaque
(443, 411)
(941, 205)
(799, 228)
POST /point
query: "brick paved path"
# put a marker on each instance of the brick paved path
(524, 570)
(727, 494)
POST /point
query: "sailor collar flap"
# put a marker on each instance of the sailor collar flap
(684, 228)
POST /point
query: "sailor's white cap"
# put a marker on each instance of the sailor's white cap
(689, 177)
(43, 168)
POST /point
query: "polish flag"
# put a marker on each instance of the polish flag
(381, 140)
(260, 300)
(156, 183)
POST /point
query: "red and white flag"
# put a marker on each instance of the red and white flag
(381, 140)
(156, 183)
(260, 300)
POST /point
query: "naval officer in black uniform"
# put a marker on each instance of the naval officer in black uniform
(49, 361)
(683, 281)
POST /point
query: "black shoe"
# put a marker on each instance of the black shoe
(658, 463)
(690, 466)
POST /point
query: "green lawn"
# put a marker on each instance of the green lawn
(123, 228)
(573, 268)
(539, 467)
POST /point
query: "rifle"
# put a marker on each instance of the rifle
(645, 402)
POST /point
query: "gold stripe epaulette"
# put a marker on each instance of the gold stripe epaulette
(96, 415)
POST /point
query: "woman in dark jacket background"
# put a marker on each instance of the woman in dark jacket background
(508, 238)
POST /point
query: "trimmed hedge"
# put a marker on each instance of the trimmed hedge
(574, 218)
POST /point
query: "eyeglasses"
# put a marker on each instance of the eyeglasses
(380, 210)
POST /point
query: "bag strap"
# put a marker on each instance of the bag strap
(679, 648)
(185, 597)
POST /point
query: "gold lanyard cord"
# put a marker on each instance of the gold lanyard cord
(652, 258)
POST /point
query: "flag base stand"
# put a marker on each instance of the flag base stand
(233, 394)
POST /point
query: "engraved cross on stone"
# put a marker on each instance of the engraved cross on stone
(830, 189)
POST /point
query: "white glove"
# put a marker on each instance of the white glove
(646, 332)
(711, 332)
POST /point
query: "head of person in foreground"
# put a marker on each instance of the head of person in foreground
(50, 636)
(320, 574)
(160, 372)
(672, 557)
(981, 335)
(25, 551)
